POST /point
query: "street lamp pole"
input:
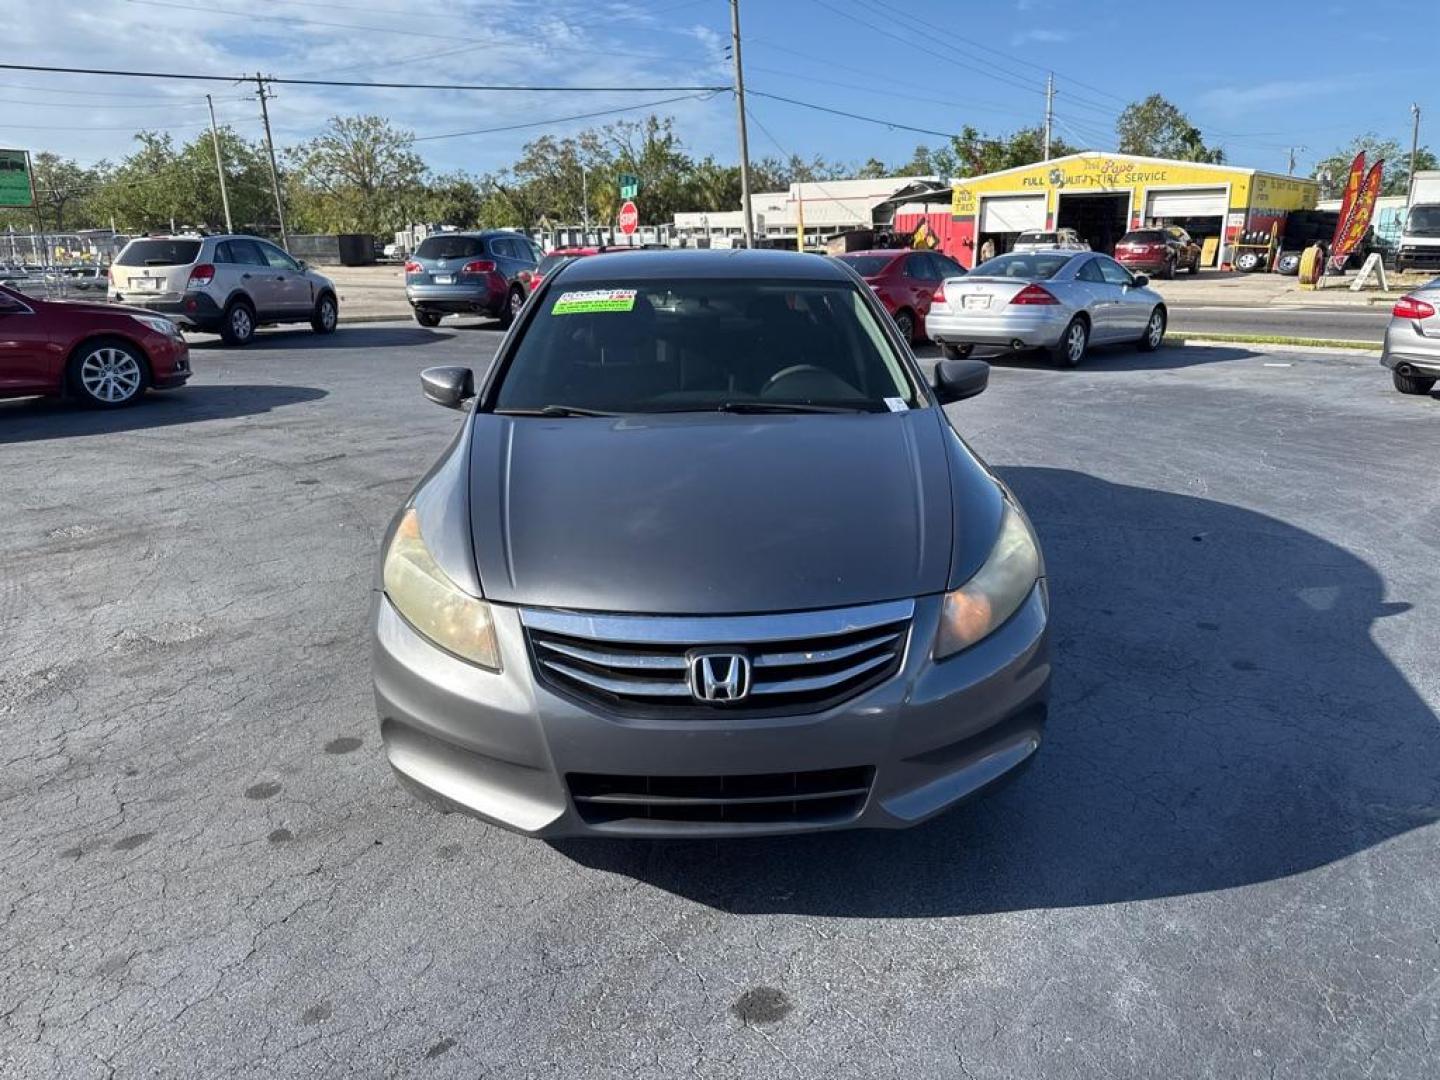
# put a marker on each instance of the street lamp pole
(740, 118)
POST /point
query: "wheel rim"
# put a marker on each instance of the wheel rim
(240, 322)
(906, 325)
(327, 314)
(516, 303)
(110, 375)
(1077, 343)
(1157, 329)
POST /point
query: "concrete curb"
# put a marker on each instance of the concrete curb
(1273, 343)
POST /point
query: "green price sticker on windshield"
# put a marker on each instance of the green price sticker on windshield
(592, 300)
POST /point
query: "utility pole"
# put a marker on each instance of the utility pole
(263, 94)
(584, 208)
(740, 116)
(1414, 146)
(1049, 110)
(1290, 169)
(219, 163)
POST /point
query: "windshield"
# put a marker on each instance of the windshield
(159, 253)
(1423, 221)
(703, 345)
(1032, 267)
(450, 247)
(868, 265)
(1035, 238)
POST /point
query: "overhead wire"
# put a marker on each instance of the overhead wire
(566, 119)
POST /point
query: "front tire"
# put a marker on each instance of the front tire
(956, 352)
(108, 374)
(1412, 384)
(326, 315)
(1169, 272)
(427, 318)
(905, 323)
(1073, 343)
(238, 327)
(1154, 331)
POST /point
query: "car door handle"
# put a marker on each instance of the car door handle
(244, 277)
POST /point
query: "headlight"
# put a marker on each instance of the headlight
(995, 592)
(159, 325)
(431, 602)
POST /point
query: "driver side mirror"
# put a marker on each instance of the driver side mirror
(1141, 281)
(448, 386)
(956, 380)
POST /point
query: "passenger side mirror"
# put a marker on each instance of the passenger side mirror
(956, 380)
(304, 266)
(1141, 281)
(448, 386)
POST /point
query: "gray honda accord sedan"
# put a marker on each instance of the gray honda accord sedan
(708, 558)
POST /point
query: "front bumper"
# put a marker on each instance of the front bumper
(1417, 257)
(455, 298)
(1031, 327)
(504, 748)
(1407, 346)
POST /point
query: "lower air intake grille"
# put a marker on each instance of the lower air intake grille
(828, 795)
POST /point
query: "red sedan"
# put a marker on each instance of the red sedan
(562, 254)
(101, 354)
(905, 281)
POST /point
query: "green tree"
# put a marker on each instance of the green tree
(1156, 128)
(361, 175)
(63, 188)
(1333, 170)
(976, 154)
(941, 161)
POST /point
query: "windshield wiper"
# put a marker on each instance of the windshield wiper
(555, 410)
(785, 407)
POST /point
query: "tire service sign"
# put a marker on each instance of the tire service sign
(15, 184)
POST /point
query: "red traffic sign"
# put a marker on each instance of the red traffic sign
(629, 217)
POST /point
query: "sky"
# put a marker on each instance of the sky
(1257, 78)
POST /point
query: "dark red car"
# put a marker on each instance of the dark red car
(561, 254)
(1159, 251)
(905, 281)
(101, 354)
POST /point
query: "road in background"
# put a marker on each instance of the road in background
(1224, 861)
(1365, 323)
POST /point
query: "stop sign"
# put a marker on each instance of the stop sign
(629, 217)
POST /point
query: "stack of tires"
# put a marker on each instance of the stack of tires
(1303, 228)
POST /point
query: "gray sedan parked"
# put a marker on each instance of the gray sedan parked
(1059, 301)
(1412, 341)
(708, 558)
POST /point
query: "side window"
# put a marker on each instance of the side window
(1091, 272)
(502, 247)
(247, 252)
(276, 258)
(532, 251)
(917, 266)
(1114, 273)
(948, 267)
(222, 252)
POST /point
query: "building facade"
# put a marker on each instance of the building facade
(1102, 196)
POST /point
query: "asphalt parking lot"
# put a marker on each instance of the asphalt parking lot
(1223, 863)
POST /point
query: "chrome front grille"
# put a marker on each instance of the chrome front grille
(642, 666)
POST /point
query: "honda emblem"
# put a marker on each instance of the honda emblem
(719, 678)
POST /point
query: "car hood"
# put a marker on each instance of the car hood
(710, 514)
(93, 308)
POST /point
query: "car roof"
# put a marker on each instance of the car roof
(878, 251)
(702, 263)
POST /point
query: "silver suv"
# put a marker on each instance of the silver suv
(222, 284)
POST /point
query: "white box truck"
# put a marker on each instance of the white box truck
(1420, 237)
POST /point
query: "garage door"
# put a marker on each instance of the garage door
(1187, 202)
(1012, 213)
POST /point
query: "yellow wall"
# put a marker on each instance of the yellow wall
(1102, 172)
(1272, 194)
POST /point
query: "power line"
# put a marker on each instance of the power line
(566, 119)
(894, 124)
(499, 87)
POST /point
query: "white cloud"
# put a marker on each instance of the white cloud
(1242, 98)
(561, 42)
(1040, 36)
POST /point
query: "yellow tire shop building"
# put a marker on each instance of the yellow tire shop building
(1102, 196)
